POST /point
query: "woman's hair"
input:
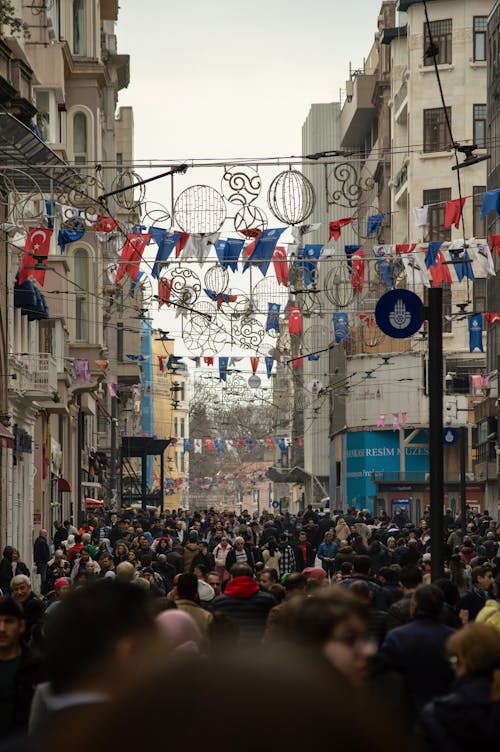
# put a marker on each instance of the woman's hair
(476, 646)
(311, 621)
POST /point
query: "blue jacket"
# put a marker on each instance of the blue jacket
(328, 550)
(417, 651)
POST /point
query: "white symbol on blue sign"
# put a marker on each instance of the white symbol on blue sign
(400, 317)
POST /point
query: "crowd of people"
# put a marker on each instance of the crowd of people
(142, 612)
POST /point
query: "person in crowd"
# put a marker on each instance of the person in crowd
(6, 570)
(20, 670)
(181, 631)
(362, 571)
(41, 557)
(244, 602)
(187, 599)
(327, 552)
(417, 650)
(334, 626)
(410, 579)
(82, 679)
(268, 578)
(304, 552)
(60, 534)
(377, 617)
(240, 553)
(191, 550)
(388, 578)
(295, 586)
(271, 554)
(33, 607)
(287, 562)
(473, 601)
(220, 552)
(469, 716)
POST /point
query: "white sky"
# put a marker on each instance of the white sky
(232, 79)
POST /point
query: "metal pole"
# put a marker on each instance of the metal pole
(436, 485)
(79, 475)
(112, 457)
(498, 436)
(463, 489)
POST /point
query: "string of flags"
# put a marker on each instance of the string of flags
(199, 446)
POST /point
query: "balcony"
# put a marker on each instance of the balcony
(33, 376)
(358, 111)
(485, 466)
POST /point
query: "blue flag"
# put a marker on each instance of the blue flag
(134, 284)
(228, 252)
(219, 445)
(264, 249)
(374, 224)
(476, 332)
(310, 255)
(490, 202)
(166, 242)
(273, 317)
(341, 327)
(432, 253)
(269, 365)
(49, 211)
(384, 266)
(223, 368)
(70, 234)
(187, 445)
(314, 356)
(463, 268)
(249, 443)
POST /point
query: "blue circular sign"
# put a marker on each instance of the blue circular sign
(450, 436)
(398, 313)
(275, 504)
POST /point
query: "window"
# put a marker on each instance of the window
(441, 34)
(480, 114)
(436, 133)
(182, 393)
(183, 427)
(45, 114)
(479, 295)
(479, 226)
(436, 199)
(81, 295)
(80, 138)
(480, 27)
(176, 427)
(78, 27)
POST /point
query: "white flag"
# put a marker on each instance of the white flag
(483, 257)
(197, 446)
(414, 269)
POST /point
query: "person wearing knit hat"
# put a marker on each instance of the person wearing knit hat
(181, 630)
(315, 573)
(62, 586)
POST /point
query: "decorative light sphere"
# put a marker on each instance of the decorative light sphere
(291, 197)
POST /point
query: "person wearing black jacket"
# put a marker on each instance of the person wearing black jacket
(304, 552)
(19, 670)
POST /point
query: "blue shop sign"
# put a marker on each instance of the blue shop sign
(373, 455)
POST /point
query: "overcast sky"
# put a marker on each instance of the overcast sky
(230, 79)
(235, 79)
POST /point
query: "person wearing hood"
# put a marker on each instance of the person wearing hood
(245, 603)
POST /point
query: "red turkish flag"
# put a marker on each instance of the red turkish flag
(280, 264)
(358, 266)
(494, 243)
(336, 227)
(105, 224)
(181, 244)
(37, 244)
(270, 443)
(164, 290)
(492, 318)
(439, 271)
(453, 212)
(405, 248)
(254, 362)
(131, 255)
(209, 361)
(295, 320)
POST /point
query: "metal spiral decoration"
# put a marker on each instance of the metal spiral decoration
(291, 197)
(153, 213)
(132, 198)
(249, 218)
(216, 279)
(351, 189)
(203, 336)
(247, 332)
(186, 287)
(22, 207)
(241, 185)
(200, 210)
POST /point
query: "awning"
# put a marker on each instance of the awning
(63, 486)
(94, 503)
(289, 475)
(143, 446)
(30, 300)
(6, 437)
(21, 148)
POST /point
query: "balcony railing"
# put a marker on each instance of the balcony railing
(33, 375)
(486, 452)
